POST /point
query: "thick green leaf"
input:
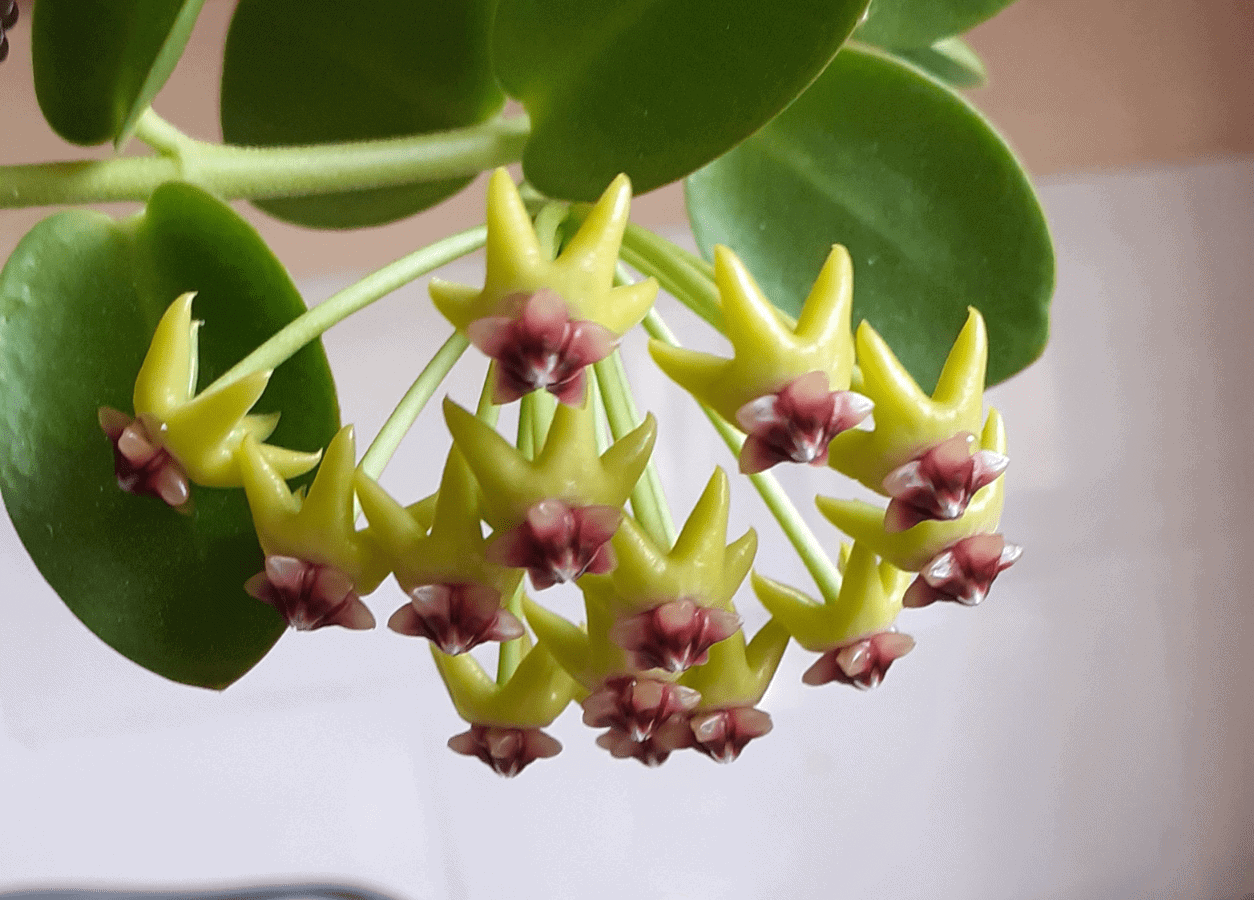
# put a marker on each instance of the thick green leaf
(933, 206)
(99, 63)
(79, 300)
(949, 60)
(319, 71)
(919, 23)
(654, 88)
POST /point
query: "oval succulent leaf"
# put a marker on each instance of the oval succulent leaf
(931, 203)
(348, 73)
(654, 88)
(898, 24)
(79, 301)
(99, 65)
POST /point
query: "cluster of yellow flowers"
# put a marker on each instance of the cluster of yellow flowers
(661, 662)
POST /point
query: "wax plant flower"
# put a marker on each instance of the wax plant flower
(672, 604)
(882, 232)
(317, 565)
(456, 594)
(507, 718)
(643, 710)
(957, 558)
(922, 450)
(543, 320)
(178, 435)
(853, 630)
(555, 513)
(787, 384)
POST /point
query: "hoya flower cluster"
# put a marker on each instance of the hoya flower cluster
(661, 662)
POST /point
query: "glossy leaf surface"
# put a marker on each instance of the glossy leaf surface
(919, 23)
(950, 60)
(302, 72)
(932, 205)
(654, 88)
(79, 300)
(99, 63)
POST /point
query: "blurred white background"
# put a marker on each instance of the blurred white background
(1085, 733)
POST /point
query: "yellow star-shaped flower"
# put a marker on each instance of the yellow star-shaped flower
(868, 602)
(203, 432)
(316, 526)
(910, 550)
(907, 421)
(568, 467)
(452, 551)
(701, 566)
(537, 692)
(769, 350)
(582, 274)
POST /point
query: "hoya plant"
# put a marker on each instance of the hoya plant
(172, 452)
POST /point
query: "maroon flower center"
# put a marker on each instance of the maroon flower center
(674, 635)
(141, 464)
(672, 734)
(456, 617)
(940, 483)
(862, 663)
(558, 542)
(541, 347)
(506, 750)
(636, 706)
(310, 596)
(798, 423)
(964, 573)
(722, 734)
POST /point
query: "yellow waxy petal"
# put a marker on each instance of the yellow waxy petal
(567, 467)
(770, 350)
(168, 376)
(910, 550)
(533, 697)
(868, 602)
(738, 674)
(582, 274)
(907, 421)
(317, 527)
(453, 551)
(700, 567)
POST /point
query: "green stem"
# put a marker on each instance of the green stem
(254, 173)
(412, 403)
(161, 135)
(525, 427)
(824, 572)
(680, 273)
(511, 652)
(312, 323)
(648, 497)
